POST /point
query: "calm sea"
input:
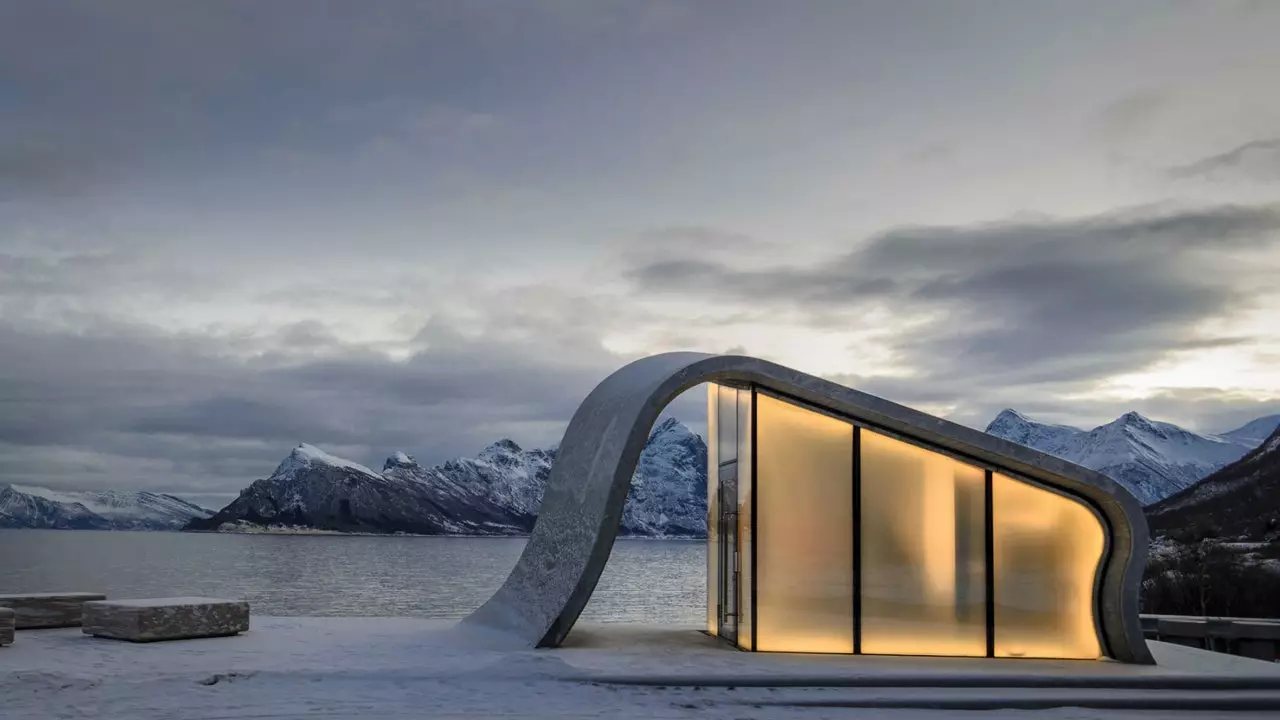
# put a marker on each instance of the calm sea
(646, 581)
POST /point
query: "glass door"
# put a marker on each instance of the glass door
(730, 563)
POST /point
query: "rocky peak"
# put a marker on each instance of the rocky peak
(1007, 421)
(307, 457)
(1134, 419)
(1017, 427)
(400, 460)
(501, 451)
(669, 425)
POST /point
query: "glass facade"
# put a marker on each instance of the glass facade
(744, 521)
(713, 509)
(952, 558)
(923, 551)
(1047, 551)
(804, 521)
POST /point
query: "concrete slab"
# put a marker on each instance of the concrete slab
(673, 656)
(157, 619)
(48, 610)
(7, 624)
(409, 668)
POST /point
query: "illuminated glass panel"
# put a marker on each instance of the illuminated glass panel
(727, 432)
(744, 518)
(804, 523)
(923, 551)
(713, 510)
(1047, 549)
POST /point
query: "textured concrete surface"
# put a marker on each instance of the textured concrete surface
(48, 610)
(394, 668)
(582, 505)
(7, 625)
(165, 618)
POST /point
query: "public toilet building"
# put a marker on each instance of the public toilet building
(827, 534)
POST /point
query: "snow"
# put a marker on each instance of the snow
(402, 458)
(100, 509)
(398, 668)
(312, 455)
(1273, 444)
(47, 494)
(1255, 431)
(107, 503)
(1152, 459)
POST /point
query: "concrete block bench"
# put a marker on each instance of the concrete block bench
(7, 621)
(157, 619)
(48, 610)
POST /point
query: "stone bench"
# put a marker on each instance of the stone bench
(157, 619)
(7, 622)
(48, 610)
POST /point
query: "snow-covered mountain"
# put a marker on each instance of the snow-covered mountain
(1255, 431)
(495, 493)
(24, 506)
(1241, 500)
(1152, 459)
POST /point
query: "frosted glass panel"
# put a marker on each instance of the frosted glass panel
(804, 522)
(744, 518)
(923, 551)
(727, 432)
(1046, 549)
(713, 510)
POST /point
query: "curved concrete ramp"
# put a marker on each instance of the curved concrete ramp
(582, 506)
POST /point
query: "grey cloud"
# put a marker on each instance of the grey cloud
(40, 169)
(1260, 156)
(794, 285)
(1131, 114)
(128, 406)
(1023, 303)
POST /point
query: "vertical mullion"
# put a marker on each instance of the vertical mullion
(989, 552)
(755, 541)
(856, 532)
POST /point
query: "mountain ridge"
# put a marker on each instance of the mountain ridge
(1240, 500)
(33, 507)
(1150, 458)
(495, 493)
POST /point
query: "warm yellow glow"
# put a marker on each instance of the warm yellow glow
(713, 511)
(744, 519)
(804, 548)
(1046, 549)
(923, 542)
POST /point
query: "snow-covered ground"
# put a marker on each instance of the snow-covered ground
(391, 668)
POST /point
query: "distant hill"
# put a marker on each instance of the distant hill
(1240, 500)
(25, 506)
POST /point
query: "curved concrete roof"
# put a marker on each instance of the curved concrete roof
(582, 505)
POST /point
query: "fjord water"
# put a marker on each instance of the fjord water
(646, 581)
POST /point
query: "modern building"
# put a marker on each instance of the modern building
(843, 523)
(829, 534)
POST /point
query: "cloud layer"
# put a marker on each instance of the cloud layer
(229, 227)
(1021, 303)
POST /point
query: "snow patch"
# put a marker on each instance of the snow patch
(312, 455)
(1151, 459)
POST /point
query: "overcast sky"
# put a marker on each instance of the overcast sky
(228, 227)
